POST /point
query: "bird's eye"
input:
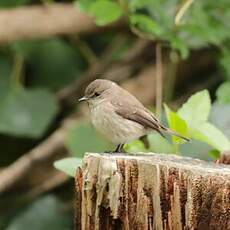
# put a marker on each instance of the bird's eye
(96, 94)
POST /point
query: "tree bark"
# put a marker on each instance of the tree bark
(151, 191)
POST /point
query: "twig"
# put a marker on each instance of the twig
(159, 79)
(84, 48)
(141, 34)
(170, 79)
(69, 94)
(17, 70)
(182, 11)
(50, 183)
(50, 147)
(29, 22)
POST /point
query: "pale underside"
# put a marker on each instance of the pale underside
(112, 126)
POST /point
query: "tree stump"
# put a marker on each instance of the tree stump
(151, 191)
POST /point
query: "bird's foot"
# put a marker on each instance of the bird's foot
(113, 151)
(119, 149)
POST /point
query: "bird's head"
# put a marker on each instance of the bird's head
(97, 91)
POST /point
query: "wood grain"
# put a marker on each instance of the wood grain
(151, 191)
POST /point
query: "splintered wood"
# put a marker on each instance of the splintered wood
(151, 191)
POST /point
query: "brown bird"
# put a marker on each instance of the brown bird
(118, 115)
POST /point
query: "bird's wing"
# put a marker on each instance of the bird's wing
(130, 108)
(141, 116)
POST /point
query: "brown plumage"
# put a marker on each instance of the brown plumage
(119, 115)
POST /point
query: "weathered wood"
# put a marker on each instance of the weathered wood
(151, 191)
(224, 158)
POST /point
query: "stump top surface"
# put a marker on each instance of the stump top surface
(169, 160)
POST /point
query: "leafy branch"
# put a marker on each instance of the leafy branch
(192, 120)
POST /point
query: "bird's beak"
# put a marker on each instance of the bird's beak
(83, 99)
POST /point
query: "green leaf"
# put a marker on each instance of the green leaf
(138, 4)
(177, 124)
(217, 118)
(178, 44)
(223, 93)
(190, 35)
(68, 165)
(82, 138)
(207, 21)
(105, 11)
(45, 213)
(214, 154)
(53, 63)
(159, 144)
(196, 110)
(27, 112)
(5, 70)
(145, 24)
(196, 149)
(209, 134)
(83, 5)
(13, 3)
(225, 60)
(135, 146)
(163, 12)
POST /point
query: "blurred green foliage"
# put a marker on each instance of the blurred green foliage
(225, 60)
(31, 72)
(78, 136)
(103, 16)
(204, 23)
(46, 213)
(223, 93)
(83, 133)
(195, 113)
(24, 113)
(68, 165)
(54, 63)
(135, 146)
(13, 3)
(176, 123)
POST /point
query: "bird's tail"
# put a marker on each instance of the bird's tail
(174, 133)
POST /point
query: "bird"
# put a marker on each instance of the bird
(119, 116)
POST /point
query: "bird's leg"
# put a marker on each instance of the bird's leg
(119, 148)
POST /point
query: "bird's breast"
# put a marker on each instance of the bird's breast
(114, 127)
